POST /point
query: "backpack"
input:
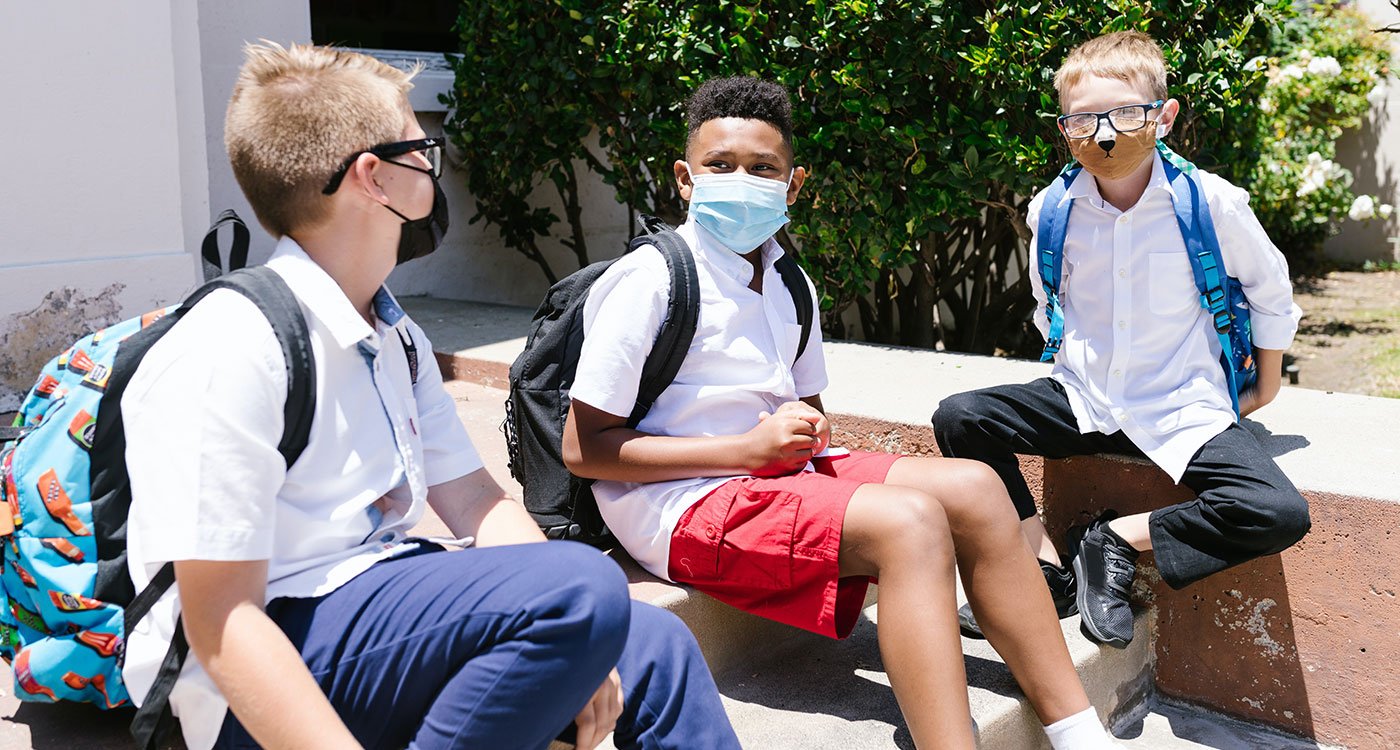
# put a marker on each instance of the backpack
(540, 378)
(68, 600)
(1221, 296)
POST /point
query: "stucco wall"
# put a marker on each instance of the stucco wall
(103, 174)
(1373, 156)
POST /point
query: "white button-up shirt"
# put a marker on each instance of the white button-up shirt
(203, 416)
(1140, 354)
(740, 363)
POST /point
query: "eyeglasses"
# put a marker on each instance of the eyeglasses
(430, 148)
(1121, 119)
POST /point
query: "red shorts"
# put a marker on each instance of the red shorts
(769, 546)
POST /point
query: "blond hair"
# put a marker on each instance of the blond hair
(1129, 56)
(296, 114)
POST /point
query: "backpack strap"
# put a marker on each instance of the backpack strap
(238, 252)
(267, 290)
(1203, 249)
(682, 314)
(1050, 244)
(796, 282)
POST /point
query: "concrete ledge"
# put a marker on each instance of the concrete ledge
(1305, 641)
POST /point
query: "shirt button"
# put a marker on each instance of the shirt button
(1117, 373)
(1122, 273)
(1122, 324)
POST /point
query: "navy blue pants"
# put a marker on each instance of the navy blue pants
(498, 648)
(1244, 507)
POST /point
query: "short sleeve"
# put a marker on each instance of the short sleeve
(621, 319)
(448, 451)
(1042, 322)
(203, 415)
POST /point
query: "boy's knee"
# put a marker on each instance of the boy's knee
(590, 586)
(954, 414)
(1291, 519)
(916, 521)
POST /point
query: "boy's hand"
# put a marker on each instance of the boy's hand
(599, 715)
(803, 410)
(783, 442)
(1266, 387)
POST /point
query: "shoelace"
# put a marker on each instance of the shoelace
(1120, 568)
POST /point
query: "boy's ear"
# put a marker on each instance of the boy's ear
(1169, 112)
(363, 176)
(799, 175)
(683, 181)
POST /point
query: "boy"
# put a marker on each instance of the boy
(312, 620)
(728, 485)
(1139, 370)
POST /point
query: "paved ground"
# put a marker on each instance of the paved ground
(1349, 339)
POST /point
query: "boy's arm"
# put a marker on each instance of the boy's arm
(1042, 322)
(1268, 383)
(476, 506)
(599, 445)
(257, 669)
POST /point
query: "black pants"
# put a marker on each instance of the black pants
(1244, 508)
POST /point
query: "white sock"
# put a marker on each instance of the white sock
(1082, 731)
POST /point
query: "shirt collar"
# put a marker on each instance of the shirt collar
(323, 297)
(1084, 185)
(722, 258)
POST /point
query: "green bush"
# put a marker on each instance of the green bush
(1327, 67)
(926, 127)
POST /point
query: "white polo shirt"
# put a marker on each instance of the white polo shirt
(203, 416)
(1140, 354)
(740, 363)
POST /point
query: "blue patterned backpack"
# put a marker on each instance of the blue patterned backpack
(66, 599)
(1221, 296)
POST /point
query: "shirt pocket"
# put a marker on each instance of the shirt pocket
(1171, 287)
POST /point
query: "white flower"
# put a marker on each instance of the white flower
(1325, 67)
(1316, 174)
(1376, 95)
(1364, 207)
(1385, 210)
(1291, 71)
(1266, 105)
(1256, 63)
(1305, 55)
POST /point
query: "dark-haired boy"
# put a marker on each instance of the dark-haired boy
(1139, 369)
(729, 483)
(313, 619)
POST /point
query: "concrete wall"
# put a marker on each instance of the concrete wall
(1373, 156)
(104, 171)
(224, 28)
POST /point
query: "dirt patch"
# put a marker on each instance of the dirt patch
(1349, 339)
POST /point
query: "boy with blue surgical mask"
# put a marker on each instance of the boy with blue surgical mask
(730, 485)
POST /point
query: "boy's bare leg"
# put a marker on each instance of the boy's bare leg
(1034, 530)
(1003, 582)
(901, 535)
(1134, 530)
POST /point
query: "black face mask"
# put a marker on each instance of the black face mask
(419, 237)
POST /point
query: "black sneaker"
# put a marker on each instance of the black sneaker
(1104, 568)
(1061, 583)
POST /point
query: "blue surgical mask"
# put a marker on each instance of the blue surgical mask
(740, 210)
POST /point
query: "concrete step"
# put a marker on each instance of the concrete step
(821, 693)
(1166, 725)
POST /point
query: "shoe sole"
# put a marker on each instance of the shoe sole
(1086, 625)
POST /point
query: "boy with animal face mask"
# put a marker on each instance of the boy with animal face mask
(1166, 310)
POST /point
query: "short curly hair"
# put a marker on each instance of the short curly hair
(743, 97)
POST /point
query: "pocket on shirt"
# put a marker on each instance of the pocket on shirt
(1171, 287)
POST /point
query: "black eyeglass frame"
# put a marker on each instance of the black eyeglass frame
(1100, 117)
(387, 151)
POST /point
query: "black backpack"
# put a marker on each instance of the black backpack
(540, 378)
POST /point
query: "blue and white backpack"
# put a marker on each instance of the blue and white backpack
(66, 599)
(1222, 296)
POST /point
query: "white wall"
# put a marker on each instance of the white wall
(103, 172)
(1373, 156)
